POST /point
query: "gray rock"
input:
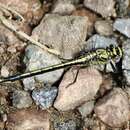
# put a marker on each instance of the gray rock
(21, 99)
(113, 108)
(126, 61)
(86, 108)
(103, 7)
(65, 34)
(104, 27)
(36, 58)
(84, 89)
(123, 26)
(122, 7)
(98, 41)
(29, 83)
(63, 7)
(45, 97)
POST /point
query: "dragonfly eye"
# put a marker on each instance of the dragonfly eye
(102, 55)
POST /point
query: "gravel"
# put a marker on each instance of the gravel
(21, 99)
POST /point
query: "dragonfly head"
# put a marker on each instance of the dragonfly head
(116, 53)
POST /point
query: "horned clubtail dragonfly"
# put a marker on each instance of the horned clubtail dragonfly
(94, 57)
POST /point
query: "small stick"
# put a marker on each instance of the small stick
(11, 10)
(5, 22)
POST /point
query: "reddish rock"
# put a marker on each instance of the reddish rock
(84, 89)
(113, 108)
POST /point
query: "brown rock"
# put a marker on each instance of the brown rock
(113, 109)
(104, 27)
(85, 88)
(84, 12)
(65, 34)
(63, 7)
(28, 119)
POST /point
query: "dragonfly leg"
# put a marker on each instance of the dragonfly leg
(74, 77)
(113, 65)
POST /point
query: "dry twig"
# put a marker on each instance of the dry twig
(24, 36)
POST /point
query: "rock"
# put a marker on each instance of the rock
(104, 27)
(123, 25)
(4, 71)
(29, 83)
(122, 7)
(126, 61)
(113, 108)
(65, 34)
(84, 89)
(63, 7)
(97, 41)
(103, 7)
(45, 97)
(29, 119)
(36, 58)
(21, 99)
(86, 108)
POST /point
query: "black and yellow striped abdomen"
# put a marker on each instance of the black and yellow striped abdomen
(98, 56)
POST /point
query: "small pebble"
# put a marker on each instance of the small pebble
(11, 49)
(84, 89)
(123, 26)
(4, 71)
(113, 108)
(45, 97)
(103, 7)
(63, 7)
(104, 27)
(1, 50)
(21, 99)
(29, 83)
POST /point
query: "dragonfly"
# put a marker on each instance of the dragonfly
(93, 57)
